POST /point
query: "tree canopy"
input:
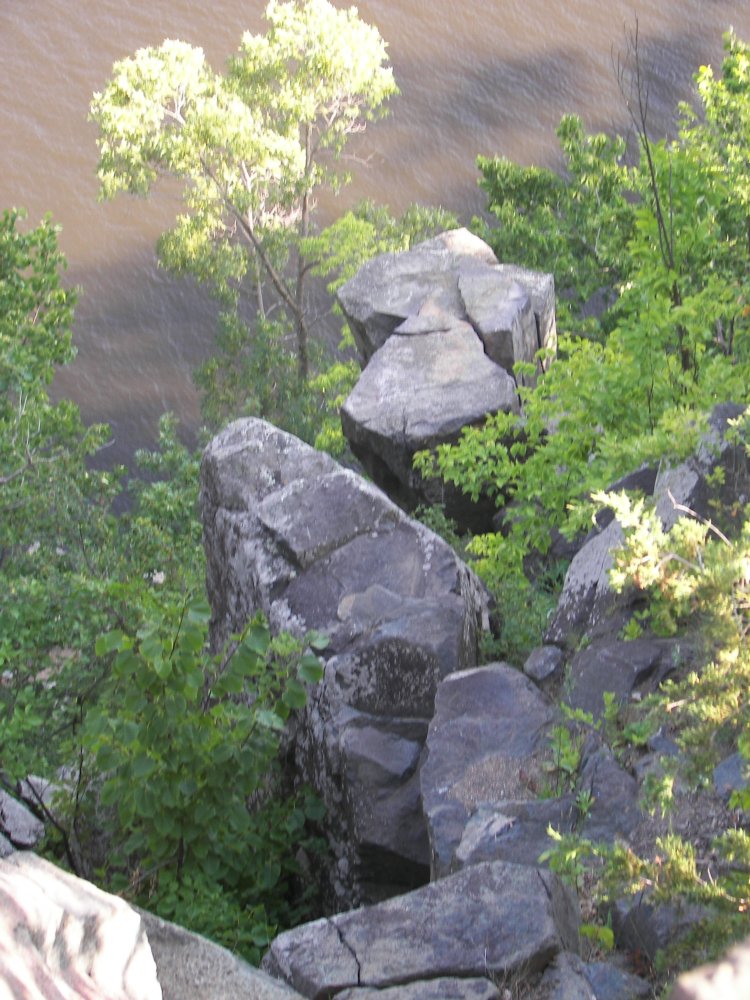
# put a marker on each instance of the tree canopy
(251, 147)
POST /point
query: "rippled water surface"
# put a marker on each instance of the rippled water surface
(489, 77)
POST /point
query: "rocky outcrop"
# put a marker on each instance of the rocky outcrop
(440, 328)
(489, 920)
(290, 533)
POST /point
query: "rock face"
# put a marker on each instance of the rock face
(314, 546)
(486, 784)
(490, 919)
(440, 328)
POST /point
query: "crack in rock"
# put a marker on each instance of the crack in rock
(348, 947)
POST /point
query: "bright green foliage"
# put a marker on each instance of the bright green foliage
(251, 147)
(576, 226)
(42, 445)
(187, 746)
(666, 244)
(695, 582)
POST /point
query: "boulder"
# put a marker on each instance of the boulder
(440, 328)
(428, 989)
(191, 967)
(485, 781)
(619, 667)
(18, 824)
(315, 547)
(484, 748)
(488, 920)
(393, 287)
(418, 392)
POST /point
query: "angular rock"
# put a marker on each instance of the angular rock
(393, 287)
(483, 749)
(18, 823)
(418, 392)
(731, 775)
(544, 663)
(587, 598)
(191, 967)
(588, 605)
(62, 938)
(314, 546)
(646, 928)
(430, 989)
(565, 979)
(490, 919)
(614, 812)
(611, 983)
(619, 667)
(440, 328)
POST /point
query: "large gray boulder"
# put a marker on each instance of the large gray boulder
(290, 533)
(488, 920)
(418, 392)
(440, 328)
(191, 967)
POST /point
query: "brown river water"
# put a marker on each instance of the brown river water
(488, 77)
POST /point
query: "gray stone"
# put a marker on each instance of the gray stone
(731, 775)
(392, 288)
(646, 928)
(62, 938)
(440, 328)
(483, 746)
(588, 606)
(587, 597)
(614, 812)
(18, 823)
(6, 848)
(501, 312)
(418, 392)
(191, 967)
(565, 979)
(490, 919)
(315, 547)
(430, 989)
(544, 663)
(612, 983)
(617, 666)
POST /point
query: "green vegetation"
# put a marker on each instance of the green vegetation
(105, 670)
(695, 581)
(663, 247)
(171, 791)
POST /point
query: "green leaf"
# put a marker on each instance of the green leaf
(294, 694)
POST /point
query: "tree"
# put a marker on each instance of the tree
(665, 244)
(251, 147)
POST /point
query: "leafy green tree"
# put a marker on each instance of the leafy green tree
(665, 243)
(251, 148)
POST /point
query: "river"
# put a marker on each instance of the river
(489, 77)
